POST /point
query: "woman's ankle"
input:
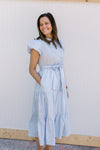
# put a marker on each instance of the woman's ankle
(47, 147)
(38, 144)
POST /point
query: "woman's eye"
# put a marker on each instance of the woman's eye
(44, 24)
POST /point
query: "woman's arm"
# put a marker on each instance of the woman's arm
(34, 57)
(66, 82)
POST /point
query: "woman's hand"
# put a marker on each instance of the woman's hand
(67, 92)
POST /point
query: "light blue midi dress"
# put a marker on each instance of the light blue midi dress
(50, 114)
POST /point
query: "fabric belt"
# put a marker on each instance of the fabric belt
(53, 66)
(58, 67)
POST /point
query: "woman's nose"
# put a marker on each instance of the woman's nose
(44, 26)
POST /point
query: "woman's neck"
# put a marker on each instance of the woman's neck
(49, 36)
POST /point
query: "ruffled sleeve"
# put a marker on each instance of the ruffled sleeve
(36, 45)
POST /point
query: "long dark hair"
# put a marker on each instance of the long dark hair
(54, 30)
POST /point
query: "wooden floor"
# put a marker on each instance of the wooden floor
(72, 139)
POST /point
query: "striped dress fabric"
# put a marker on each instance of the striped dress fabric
(50, 114)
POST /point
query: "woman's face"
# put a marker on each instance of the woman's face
(45, 27)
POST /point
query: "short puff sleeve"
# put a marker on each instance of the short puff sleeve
(36, 45)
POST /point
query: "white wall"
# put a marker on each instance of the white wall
(79, 29)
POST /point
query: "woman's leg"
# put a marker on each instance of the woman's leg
(38, 144)
(47, 147)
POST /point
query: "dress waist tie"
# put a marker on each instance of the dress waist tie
(60, 68)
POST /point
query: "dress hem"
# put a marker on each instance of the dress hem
(52, 144)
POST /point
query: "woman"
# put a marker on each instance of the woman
(50, 116)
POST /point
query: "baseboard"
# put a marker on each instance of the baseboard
(72, 139)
